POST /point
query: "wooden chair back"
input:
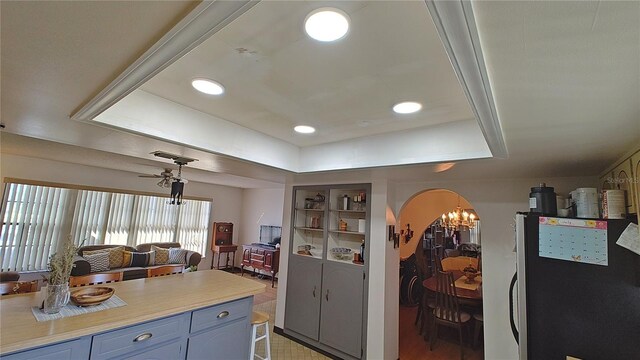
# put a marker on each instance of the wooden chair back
(458, 263)
(446, 298)
(165, 270)
(94, 279)
(437, 253)
(18, 287)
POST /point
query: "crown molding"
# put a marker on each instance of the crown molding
(202, 22)
(456, 27)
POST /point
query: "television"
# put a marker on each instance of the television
(270, 234)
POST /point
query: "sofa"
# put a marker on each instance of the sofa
(83, 267)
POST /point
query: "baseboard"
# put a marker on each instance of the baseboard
(281, 332)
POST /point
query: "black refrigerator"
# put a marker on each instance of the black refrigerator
(576, 292)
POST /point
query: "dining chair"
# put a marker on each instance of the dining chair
(458, 263)
(18, 287)
(165, 270)
(421, 266)
(478, 326)
(94, 279)
(447, 311)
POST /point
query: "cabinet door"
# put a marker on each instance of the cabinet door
(302, 311)
(168, 351)
(228, 342)
(246, 256)
(342, 305)
(268, 260)
(70, 350)
(623, 179)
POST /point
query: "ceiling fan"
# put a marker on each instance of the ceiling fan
(166, 177)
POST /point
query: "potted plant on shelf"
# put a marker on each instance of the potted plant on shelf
(60, 265)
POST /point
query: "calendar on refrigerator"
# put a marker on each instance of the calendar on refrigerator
(578, 240)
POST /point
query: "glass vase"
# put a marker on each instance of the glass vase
(57, 296)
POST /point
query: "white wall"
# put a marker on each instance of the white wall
(227, 201)
(259, 207)
(496, 202)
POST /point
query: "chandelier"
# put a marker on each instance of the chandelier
(458, 219)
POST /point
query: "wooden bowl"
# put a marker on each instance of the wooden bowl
(91, 296)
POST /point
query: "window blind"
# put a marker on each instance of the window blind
(153, 220)
(119, 219)
(90, 217)
(193, 225)
(35, 218)
(32, 223)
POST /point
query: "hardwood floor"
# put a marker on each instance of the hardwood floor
(412, 345)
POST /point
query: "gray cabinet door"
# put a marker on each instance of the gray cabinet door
(71, 350)
(302, 312)
(342, 297)
(227, 342)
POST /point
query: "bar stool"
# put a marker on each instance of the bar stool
(260, 319)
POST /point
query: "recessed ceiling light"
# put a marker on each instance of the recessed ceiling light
(304, 129)
(326, 24)
(207, 86)
(407, 107)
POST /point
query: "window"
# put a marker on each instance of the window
(36, 218)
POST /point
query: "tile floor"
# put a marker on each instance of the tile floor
(281, 347)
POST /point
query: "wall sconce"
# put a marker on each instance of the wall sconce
(406, 234)
(393, 236)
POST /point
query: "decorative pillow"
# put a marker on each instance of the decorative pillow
(115, 255)
(99, 261)
(137, 259)
(177, 256)
(162, 255)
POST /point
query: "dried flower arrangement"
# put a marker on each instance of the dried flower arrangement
(61, 263)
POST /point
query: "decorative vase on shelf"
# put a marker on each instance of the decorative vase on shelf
(56, 297)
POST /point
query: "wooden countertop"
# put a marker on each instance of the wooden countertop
(147, 299)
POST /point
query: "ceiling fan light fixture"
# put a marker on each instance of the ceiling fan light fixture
(304, 129)
(207, 86)
(326, 24)
(407, 107)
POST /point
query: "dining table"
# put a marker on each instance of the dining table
(465, 296)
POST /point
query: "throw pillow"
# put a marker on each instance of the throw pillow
(162, 255)
(137, 259)
(115, 255)
(177, 256)
(98, 262)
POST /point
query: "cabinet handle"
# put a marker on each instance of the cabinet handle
(314, 291)
(223, 314)
(143, 337)
(327, 295)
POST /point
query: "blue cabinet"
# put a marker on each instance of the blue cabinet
(216, 332)
(69, 350)
(139, 338)
(221, 332)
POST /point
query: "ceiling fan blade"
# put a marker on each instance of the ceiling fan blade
(150, 176)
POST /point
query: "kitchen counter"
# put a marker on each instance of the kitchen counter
(147, 299)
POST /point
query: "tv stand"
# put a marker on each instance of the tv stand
(261, 257)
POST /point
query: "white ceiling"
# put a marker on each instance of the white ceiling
(565, 76)
(277, 77)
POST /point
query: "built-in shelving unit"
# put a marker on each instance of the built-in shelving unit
(326, 285)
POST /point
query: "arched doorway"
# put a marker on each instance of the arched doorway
(420, 220)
